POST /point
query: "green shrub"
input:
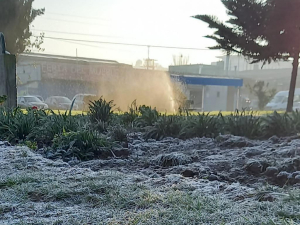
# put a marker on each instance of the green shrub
(6, 117)
(148, 116)
(118, 133)
(99, 126)
(56, 124)
(16, 125)
(295, 120)
(280, 125)
(101, 110)
(166, 126)
(85, 145)
(202, 125)
(242, 123)
(129, 117)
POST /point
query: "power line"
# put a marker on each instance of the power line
(76, 16)
(128, 44)
(61, 32)
(71, 21)
(93, 46)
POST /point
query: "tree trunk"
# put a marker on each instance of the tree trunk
(293, 83)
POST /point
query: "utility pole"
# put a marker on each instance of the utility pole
(150, 63)
(8, 84)
(227, 63)
(76, 63)
(148, 57)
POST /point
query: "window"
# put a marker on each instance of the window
(64, 100)
(278, 99)
(21, 100)
(32, 99)
(285, 100)
(297, 98)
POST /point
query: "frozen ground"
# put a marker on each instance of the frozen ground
(230, 180)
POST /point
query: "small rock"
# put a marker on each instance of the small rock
(189, 173)
(213, 177)
(271, 171)
(283, 177)
(254, 167)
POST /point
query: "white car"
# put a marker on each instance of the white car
(280, 100)
(29, 101)
(79, 100)
(60, 103)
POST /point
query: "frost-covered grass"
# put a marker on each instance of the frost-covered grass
(80, 196)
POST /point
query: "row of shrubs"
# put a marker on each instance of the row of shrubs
(246, 124)
(96, 134)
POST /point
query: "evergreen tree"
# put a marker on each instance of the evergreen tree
(16, 17)
(263, 30)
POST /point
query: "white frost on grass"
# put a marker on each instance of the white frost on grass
(34, 190)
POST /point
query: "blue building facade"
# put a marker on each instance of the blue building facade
(208, 93)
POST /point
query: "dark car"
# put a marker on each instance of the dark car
(29, 101)
(60, 102)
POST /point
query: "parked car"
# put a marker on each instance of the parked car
(82, 100)
(60, 102)
(39, 97)
(280, 100)
(30, 101)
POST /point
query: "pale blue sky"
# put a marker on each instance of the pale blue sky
(155, 22)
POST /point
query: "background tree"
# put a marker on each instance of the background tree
(16, 16)
(180, 60)
(263, 94)
(180, 98)
(262, 30)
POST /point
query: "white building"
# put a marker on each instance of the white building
(240, 63)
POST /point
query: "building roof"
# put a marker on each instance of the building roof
(68, 58)
(208, 81)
